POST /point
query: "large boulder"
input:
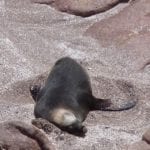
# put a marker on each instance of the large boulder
(80, 7)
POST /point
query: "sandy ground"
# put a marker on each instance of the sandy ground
(32, 38)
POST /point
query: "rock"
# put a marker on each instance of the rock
(128, 32)
(45, 125)
(146, 136)
(142, 145)
(82, 8)
(17, 135)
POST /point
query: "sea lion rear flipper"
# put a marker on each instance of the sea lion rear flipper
(107, 105)
(100, 104)
(124, 106)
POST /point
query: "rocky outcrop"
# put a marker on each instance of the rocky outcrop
(17, 135)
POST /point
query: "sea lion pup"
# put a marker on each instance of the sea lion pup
(67, 97)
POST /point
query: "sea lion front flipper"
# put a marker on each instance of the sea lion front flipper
(35, 90)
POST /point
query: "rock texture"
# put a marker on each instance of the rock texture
(146, 136)
(80, 7)
(144, 144)
(129, 33)
(17, 135)
(46, 126)
(33, 36)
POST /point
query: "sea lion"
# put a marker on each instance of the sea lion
(67, 97)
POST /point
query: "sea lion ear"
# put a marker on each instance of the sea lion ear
(35, 90)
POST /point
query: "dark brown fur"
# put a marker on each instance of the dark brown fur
(67, 94)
